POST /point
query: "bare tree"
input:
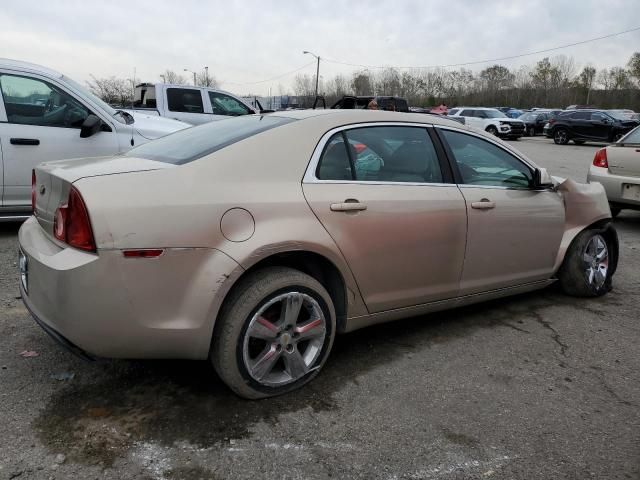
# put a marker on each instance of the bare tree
(361, 83)
(169, 76)
(586, 78)
(112, 90)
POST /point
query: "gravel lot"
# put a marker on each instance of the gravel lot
(539, 386)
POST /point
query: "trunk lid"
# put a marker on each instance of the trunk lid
(624, 160)
(54, 180)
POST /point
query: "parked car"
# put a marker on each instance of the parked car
(490, 120)
(397, 104)
(584, 125)
(45, 115)
(190, 104)
(624, 113)
(534, 122)
(207, 244)
(617, 168)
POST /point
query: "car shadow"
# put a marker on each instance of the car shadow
(168, 401)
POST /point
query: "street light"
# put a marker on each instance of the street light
(194, 75)
(317, 68)
(206, 75)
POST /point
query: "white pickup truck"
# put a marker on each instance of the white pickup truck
(46, 116)
(194, 105)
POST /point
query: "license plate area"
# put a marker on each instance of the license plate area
(631, 191)
(23, 262)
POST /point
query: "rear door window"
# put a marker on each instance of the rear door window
(581, 116)
(467, 113)
(187, 100)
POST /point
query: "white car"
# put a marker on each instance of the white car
(490, 120)
(191, 104)
(45, 116)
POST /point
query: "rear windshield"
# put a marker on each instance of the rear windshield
(193, 143)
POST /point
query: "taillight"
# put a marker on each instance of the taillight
(600, 160)
(71, 223)
(33, 191)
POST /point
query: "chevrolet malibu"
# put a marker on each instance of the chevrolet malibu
(252, 242)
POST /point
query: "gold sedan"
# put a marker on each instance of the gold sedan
(254, 240)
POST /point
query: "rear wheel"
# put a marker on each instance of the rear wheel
(274, 333)
(492, 130)
(586, 270)
(561, 136)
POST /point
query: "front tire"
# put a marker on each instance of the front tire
(588, 265)
(492, 130)
(274, 333)
(561, 136)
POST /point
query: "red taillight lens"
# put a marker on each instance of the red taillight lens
(71, 223)
(33, 191)
(600, 160)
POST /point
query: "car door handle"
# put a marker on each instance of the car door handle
(24, 141)
(348, 206)
(484, 204)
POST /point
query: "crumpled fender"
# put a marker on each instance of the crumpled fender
(584, 204)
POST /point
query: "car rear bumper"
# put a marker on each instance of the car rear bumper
(614, 185)
(106, 305)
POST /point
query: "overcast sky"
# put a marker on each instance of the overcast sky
(250, 41)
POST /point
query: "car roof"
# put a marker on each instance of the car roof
(28, 67)
(346, 116)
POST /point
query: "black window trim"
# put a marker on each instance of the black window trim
(456, 171)
(311, 173)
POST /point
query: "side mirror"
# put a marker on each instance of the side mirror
(542, 179)
(90, 126)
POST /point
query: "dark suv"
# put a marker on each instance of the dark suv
(587, 125)
(398, 104)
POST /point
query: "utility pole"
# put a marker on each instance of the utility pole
(317, 68)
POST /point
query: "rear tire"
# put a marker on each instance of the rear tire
(561, 136)
(588, 265)
(260, 352)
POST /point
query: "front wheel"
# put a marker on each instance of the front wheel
(274, 333)
(561, 137)
(588, 266)
(492, 130)
(618, 136)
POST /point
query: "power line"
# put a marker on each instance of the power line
(273, 78)
(485, 61)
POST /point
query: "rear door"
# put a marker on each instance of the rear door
(43, 123)
(471, 118)
(514, 231)
(580, 125)
(187, 105)
(392, 209)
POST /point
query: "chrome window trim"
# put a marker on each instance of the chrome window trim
(310, 173)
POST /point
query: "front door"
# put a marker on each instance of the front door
(43, 124)
(514, 231)
(399, 220)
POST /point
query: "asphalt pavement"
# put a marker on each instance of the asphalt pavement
(537, 386)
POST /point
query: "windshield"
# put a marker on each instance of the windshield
(193, 143)
(491, 113)
(632, 137)
(95, 99)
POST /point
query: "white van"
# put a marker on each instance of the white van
(45, 116)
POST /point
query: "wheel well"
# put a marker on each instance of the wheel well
(318, 267)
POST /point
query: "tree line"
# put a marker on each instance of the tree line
(551, 82)
(554, 82)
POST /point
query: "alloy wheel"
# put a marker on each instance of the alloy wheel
(284, 339)
(561, 137)
(596, 261)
